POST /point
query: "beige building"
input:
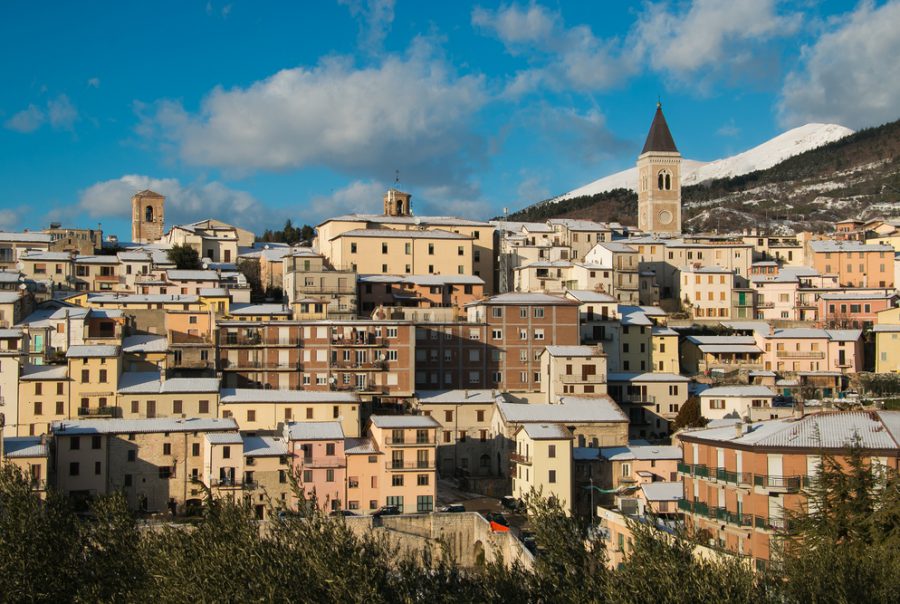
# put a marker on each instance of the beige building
(308, 276)
(651, 400)
(755, 402)
(13, 245)
(706, 291)
(464, 442)
(659, 180)
(30, 454)
(542, 463)
(399, 243)
(155, 462)
(213, 239)
(266, 473)
(13, 355)
(43, 398)
(623, 261)
(572, 370)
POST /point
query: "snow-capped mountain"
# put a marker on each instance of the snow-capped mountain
(774, 151)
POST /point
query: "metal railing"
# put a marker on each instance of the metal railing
(324, 462)
(519, 458)
(427, 464)
(97, 411)
(411, 442)
(800, 354)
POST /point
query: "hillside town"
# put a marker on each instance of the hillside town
(399, 364)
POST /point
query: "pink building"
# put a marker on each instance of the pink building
(317, 453)
(853, 308)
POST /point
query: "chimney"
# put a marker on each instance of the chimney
(738, 429)
(799, 410)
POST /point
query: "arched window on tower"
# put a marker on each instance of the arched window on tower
(148, 214)
(664, 180)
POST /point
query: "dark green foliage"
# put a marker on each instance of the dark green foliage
(847, 547)
(848, 553)
(879, 384)
(184, 256)
(289, 234)
(618, 205)
(689, 415)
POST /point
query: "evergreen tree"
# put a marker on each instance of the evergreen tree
(184, 257)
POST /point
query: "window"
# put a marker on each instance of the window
(329, 449)
(131, 455)
(38, 408)
(497, 312)
(551, 451)
(329, 475)
(384, 248)
(85, 376)
(307, 475)
(523, 313)
(204, 406)
(552, 477)
(538, 334)
(167, 448)
(74, 469)
(75, 443)
(176, 407)
(251, 415)
(352, 248)
(497, 334)
(424, 503)
(397, 480)
(479, 415)
(431, 249)
(422, 480)
(226, 452)
(195, 449)
(539, 312)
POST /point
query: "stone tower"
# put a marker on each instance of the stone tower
(397, 203)
(147, 216)
(659, 180)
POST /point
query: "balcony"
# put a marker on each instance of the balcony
(637, 399)
(251, 364)
(583, 379)
(781, 484)
(800, 354)
(427, 464)
(97, 411)
(180, 337)
(324, 462)
(411, 442)
(519, 458)
(192, 364)
(363, 339)
(367, 365)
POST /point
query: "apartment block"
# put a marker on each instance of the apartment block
(572, 370)
(542, 463)
(740, 479)
(855, 264)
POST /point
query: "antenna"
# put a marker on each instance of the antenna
(397, 177)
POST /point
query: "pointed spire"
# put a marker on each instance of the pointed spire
(659, 138)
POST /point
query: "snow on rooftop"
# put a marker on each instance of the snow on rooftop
(314, 431)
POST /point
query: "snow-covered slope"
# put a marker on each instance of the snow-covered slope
(774, 151)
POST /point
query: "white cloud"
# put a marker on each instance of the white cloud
(411, 113)
(710, 34)
(27, 120)
(531, 190)
(60, 113)
(10, 217)
(514, 25)
(728, 129)
(93, 83)
(850, 75)
(184, 202)
(569, 58)
(375, 19)
(363, 197)
(582, 136)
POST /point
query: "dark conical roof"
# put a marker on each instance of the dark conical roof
(659, 138)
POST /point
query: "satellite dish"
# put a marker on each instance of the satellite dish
(383, 357)
(332, 379)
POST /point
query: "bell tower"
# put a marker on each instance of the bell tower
(397, 203)
(147, 216)
(659, 180)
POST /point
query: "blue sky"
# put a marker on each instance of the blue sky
(254, 112)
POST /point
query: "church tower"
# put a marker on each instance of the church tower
(659, 180)
(147, 217)
(397, 203)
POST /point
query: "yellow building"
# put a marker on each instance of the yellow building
(542, 463)
(887, 341)
(266, 470)
(43, 398)
(13, 354)
(267, 409)
(94, 373)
